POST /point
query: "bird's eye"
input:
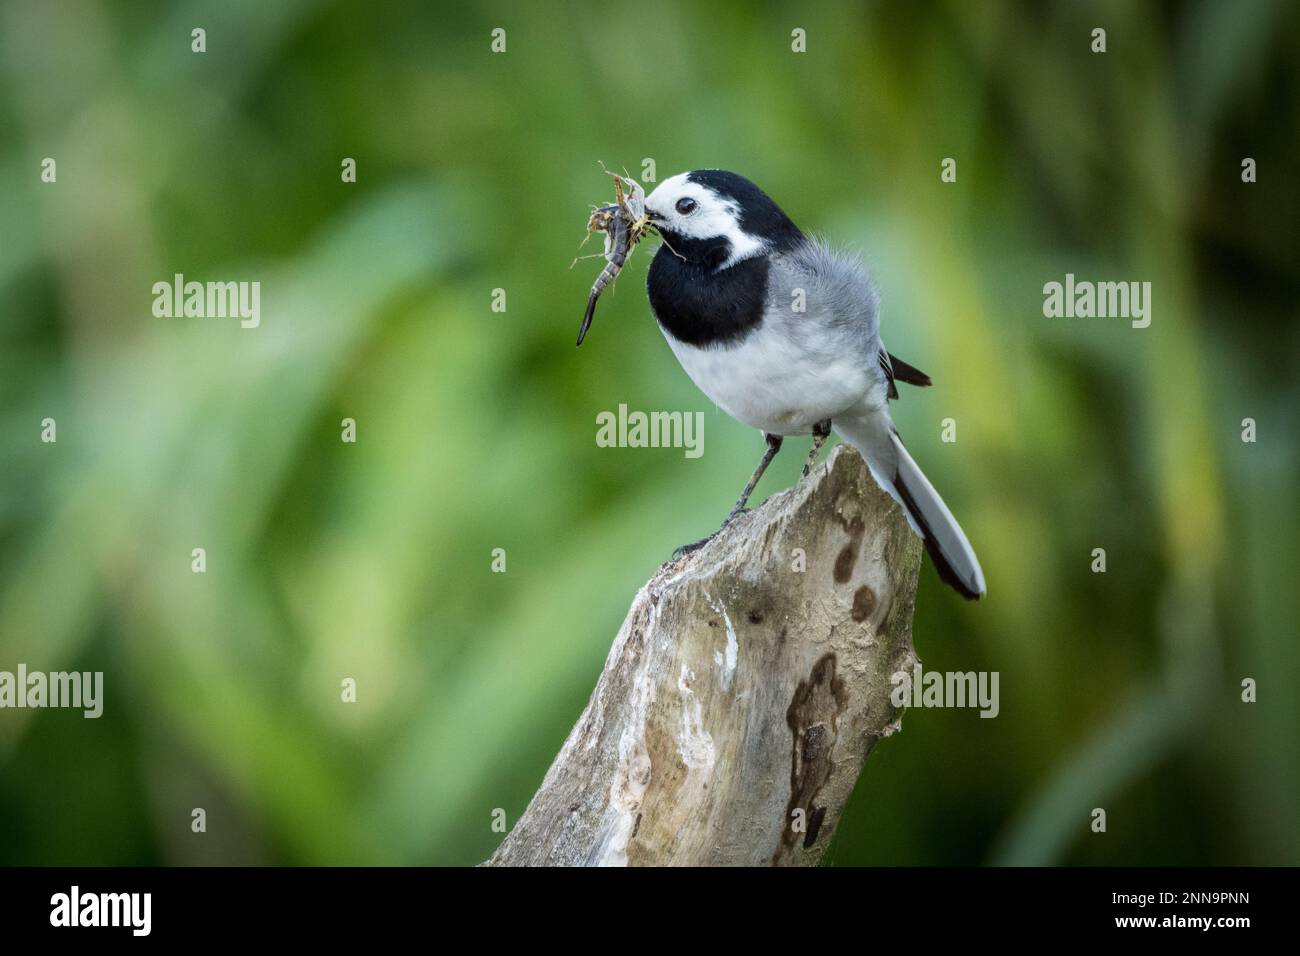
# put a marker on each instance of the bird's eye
(686, 205)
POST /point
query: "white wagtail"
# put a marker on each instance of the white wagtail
(783, 334)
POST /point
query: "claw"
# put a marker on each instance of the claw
(694, 546)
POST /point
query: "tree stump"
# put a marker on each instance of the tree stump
(743, 693)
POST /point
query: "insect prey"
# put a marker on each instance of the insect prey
(624, 224)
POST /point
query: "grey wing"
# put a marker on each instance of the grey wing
(842, 310)
(842, 305)
(827, 299)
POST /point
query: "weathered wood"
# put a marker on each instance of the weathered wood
(744, 691)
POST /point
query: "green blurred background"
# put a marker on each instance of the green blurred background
(476, 428)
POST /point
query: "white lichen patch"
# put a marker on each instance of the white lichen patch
(725, 659)
(625, 796)
(694, 743)
(733, 652)
(633, 772)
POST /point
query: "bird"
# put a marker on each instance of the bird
(782, 332)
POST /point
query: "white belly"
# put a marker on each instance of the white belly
(770, 384)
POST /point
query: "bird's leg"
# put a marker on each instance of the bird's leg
(773, 446)
(820, 431)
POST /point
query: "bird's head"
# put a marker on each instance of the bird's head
(717, 218)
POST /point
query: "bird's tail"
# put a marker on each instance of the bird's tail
(872, 433)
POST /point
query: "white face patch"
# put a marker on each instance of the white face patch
(714, 216)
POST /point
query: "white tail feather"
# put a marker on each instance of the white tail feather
(872, 433)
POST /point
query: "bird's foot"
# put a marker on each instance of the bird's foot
(820, 432)
(696, 545)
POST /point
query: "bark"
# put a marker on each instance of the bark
(743, 693)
